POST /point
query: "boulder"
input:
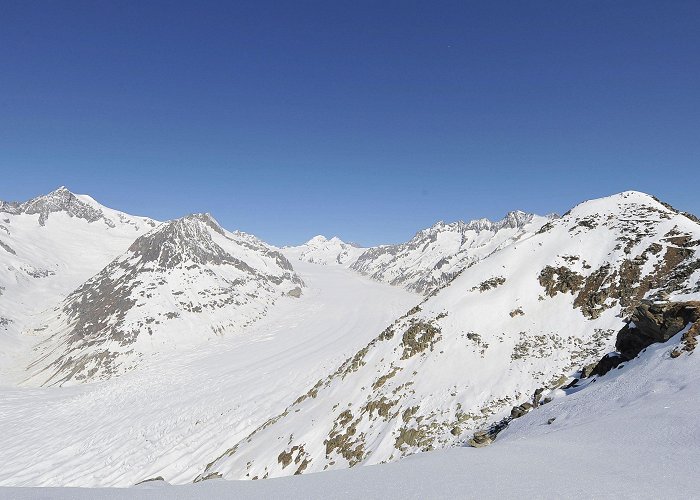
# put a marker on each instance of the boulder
(481, 439)
(607, 363)
(520, 410)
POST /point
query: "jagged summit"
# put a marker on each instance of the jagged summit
(59, 200)
(187, 239)
(62, 200)
(513, 219)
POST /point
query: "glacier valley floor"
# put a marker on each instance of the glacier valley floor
(181, 408)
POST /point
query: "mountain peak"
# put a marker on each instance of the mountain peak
(316, 240)
(58, 200)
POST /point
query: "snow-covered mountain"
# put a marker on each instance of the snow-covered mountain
(437, 254)
(513, 325)
(182, 283)
(320, 250)
(344, 370)
(48, 246)
(428, 260)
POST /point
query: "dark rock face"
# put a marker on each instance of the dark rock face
(651, 323)
(607, 363)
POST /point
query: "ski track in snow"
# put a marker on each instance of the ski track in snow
(182, 407)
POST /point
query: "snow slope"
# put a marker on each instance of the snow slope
(631, 434)
(172, 414)
(179, 285)
(48, 246)
(437, 254)
(320, 250)
(522, 319)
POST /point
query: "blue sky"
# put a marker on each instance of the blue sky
(365, 119)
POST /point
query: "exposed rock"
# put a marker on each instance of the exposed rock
(654, 322)
(419, 337)
(520, 410)
(517, 312)
(559, 280)
(587, 370)
(151, 479)
(486, 437)
(607, 363)
(481, 439)
(60, 200)
(7, 248)
(489, 284)
(537, 397)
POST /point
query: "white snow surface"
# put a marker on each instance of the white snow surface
(633, 433)
(324, 251)
(173, 414)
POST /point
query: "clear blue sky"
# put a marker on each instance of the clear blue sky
(365, 119)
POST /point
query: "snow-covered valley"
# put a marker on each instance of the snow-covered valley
(178, 410)
(183, 352)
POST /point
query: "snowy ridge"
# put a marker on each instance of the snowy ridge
(437, 254)
(521, 319)
(180, 284)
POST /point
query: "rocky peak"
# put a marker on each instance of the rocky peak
(514, 219)
(187, 239)
(59, 200)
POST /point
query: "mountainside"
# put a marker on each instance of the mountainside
(48, 246)
(509, 328)
(437, 254)
(320, 250)
(180, 284)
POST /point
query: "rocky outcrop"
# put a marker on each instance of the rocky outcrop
(654, 322)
